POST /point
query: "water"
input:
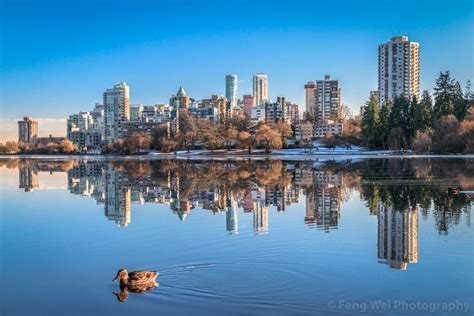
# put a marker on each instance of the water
(384, 236)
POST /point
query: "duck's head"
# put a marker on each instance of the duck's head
(122, 274)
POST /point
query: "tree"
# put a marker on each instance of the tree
(168, 144)
(188, 130)
(396, 138)
(371, 123)
(11, 147)
(212, 137)
(422, 142)
(460, 103)
(447, 137)
(385, 122)
(330, 141)
(285, 131)
(467, 133)
(469, 96)
(401, 116)
(444, 95)
(268, 138)
(351, 131)
(230, 135)
(136, 142)
(66, 146)
(422, 114)
(162, 131)
(245, 140)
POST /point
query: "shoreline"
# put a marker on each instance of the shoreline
(237, 157)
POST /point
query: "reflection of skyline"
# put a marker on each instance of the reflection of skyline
(261, 188)
(117, 192)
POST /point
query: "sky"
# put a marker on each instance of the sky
(58, 57)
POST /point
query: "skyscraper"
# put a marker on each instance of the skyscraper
(310, 97)
(260, 88)
(116, 110)
(27, 130)
(399, 69)
(328, 100)
(231, 92)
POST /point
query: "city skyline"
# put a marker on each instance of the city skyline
(57, 69)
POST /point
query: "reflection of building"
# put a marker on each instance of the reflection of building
(397, 236)
(117, 198)
(179, 205)
(260, 218)
(28, 178)
(27, 130)
(232, 217)
(323, 201)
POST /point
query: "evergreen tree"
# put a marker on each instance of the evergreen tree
(410, 130)
(385, 124)
(401, 115)
(469, 95)
(444, 95)
(422, 114)
(371, 123)
(460, 104)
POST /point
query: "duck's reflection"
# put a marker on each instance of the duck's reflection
(122, 296)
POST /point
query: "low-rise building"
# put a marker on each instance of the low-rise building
(328, 128)
(304, 130)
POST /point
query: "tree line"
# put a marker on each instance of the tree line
(443, 126)
(234, 132)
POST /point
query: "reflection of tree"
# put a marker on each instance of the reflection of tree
(405, 183)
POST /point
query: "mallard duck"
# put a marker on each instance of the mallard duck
(137, 279)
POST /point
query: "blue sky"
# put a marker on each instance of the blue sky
(57, 57)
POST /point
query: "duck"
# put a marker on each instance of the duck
(137, 279)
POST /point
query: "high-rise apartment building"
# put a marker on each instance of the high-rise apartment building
(231, 92)
(327, 99)
(399, 69)
(248, 101)
(27, 130)
(116, 111)
(310, 97)
(260, 88)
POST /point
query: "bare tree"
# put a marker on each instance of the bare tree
(246, 140)
(268, 138)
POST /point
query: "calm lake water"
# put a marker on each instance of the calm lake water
(384, 236)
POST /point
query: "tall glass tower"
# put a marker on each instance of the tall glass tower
(231, 90)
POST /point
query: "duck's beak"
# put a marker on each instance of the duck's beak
(113, 280)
